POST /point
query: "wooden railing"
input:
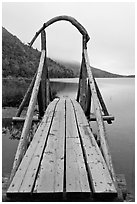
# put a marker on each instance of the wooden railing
(38, 90)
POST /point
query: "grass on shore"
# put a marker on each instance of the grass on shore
(14, 89)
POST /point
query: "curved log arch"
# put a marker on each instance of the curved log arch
(72, 20)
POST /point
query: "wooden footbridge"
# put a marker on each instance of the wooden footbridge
(64, 160)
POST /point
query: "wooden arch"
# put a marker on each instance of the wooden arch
(72, 20)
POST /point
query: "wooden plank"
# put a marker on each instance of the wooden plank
(51, 174)
(23, 143)
(76, 174)
(37, 143)
(98, 171)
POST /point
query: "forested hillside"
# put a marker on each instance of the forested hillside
(19, 60)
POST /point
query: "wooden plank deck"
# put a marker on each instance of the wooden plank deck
(63, 157)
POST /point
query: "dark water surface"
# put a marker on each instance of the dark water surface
(119, 96)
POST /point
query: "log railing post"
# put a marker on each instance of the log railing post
(83, 79)
(42, 88)
(88, 107)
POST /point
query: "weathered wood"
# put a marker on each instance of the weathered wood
(74, 22)
(122, 184)
(23, 143)
(25, 175)
(79, 86)
(48, 91)
(42, 93)
(98, 171)
(99, 119)
(83, 85)
(26, 97)
(51, 174)
(21, 119)
(104, 108)
(88, 105)
(76, 174)
(101, 126)
(104, 117)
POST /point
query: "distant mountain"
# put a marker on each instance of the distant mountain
(19, 60)
(98, 73)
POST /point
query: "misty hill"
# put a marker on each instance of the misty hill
(19, 60)
(98, 73)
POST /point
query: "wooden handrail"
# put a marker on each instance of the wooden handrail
(99, 118)
(23, 143)
(72, 20)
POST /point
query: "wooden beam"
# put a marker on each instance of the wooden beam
(105, 117)
(21, 119)
(88, 105)
(79, 84)
(26, 97)
(104, 108)
(23, 143)
(74, 22)
(83, 81)
(42, 88)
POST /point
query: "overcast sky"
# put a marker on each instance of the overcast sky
(109, 25)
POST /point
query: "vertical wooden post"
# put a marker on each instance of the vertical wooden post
(89, 94)
(83, 79)
(42, 88)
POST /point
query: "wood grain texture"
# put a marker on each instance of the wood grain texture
(76, 174)
(51, 174)
(74, 22)
(99, 119)
(98, 171)
(21, 181)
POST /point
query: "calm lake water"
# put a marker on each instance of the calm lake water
(119, 96)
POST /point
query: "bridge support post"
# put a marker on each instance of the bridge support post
(88, 107)
(82, 92)
(43, 94)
